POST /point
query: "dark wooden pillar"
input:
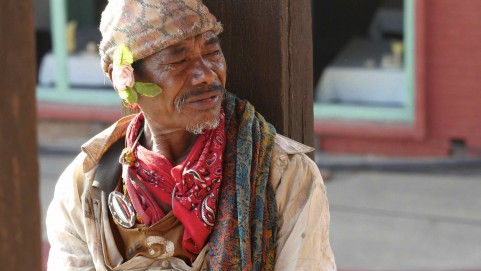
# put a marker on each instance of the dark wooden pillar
(268, 47)
(19, 185)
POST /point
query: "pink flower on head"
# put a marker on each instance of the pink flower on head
(122, 77)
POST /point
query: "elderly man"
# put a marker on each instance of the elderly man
(203, 182)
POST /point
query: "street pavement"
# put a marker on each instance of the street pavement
(405, 221)
(380, 219)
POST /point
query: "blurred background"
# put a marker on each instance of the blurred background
(397, 122)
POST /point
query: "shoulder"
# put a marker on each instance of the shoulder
(290, 163)
(82, 172)
(302, 207)
(287, 150)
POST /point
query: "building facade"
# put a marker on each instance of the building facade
(446, 106)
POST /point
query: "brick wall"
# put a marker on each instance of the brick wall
(451, 54)
(454, 70)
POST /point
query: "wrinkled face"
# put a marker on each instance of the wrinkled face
(192, 75)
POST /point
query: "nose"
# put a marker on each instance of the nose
(202, 73)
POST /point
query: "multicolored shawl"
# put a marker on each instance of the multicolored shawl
(244, 235)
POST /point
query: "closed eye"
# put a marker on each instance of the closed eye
(177, 62)
(214, 52)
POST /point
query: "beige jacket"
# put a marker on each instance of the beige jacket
(78, 218)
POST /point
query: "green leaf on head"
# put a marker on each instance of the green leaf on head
(147, 89)
(129, 95)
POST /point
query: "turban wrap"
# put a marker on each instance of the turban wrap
(148, 26)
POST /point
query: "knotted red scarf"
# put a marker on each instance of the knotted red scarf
(191, 188)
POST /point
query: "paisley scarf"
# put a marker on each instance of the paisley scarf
(191, 188)
(244, 234)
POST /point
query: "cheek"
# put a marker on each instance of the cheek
(169, 81)
(221, 70)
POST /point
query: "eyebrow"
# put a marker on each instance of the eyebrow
(212, 40)
(178, 50)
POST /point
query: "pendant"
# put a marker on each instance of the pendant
(121, 209)
(127, 157)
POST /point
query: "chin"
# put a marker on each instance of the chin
(199, 128)
(205, 120)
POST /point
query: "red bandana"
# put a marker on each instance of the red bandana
(191, 187)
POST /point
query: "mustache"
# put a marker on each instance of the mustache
(179, 102)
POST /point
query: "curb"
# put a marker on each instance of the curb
(397, 164)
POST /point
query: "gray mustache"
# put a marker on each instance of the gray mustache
(180, 101)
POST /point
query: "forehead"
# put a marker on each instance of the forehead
(204, 39)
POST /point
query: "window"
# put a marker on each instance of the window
(71, 73)
(363, 55)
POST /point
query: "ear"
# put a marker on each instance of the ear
(109, 73)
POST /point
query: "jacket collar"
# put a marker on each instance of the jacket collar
(291, 146)
(96, 146)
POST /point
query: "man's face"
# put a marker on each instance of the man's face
(192, 75)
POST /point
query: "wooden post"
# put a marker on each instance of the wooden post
(19, 189)
(268, 47)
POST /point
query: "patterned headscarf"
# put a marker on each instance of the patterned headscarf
(148, 26)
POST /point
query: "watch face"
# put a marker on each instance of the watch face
(121, 209)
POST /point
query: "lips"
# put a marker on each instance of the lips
(210, 95)
(204, 101)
